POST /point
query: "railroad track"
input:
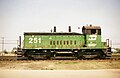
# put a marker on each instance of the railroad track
(8, 58)
(15, 58)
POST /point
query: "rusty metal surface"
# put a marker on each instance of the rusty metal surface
(8, 57)
(53, 33)
(91, 27)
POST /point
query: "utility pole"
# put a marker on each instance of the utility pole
(2, 44)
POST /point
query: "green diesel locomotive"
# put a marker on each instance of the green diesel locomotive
(66, 44)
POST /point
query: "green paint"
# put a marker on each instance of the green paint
(62, 42)
(53, 41)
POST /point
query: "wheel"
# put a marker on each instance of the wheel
(80, 55)
(30, 58)
(48, 55)
(101, 55)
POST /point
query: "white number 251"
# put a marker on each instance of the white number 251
(34, 40)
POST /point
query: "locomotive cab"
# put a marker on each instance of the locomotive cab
(93, 44)
(92, 36)
(90, 30)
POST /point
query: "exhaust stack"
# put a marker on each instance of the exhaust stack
(69, 29)
(54, 28)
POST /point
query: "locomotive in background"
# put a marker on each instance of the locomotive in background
(66, 44)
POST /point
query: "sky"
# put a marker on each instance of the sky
(19, 16)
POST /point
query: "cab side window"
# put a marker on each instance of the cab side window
(93, 31)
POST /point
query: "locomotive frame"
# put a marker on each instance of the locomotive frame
(66, 44)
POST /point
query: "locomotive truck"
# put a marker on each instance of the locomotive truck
(66, 44)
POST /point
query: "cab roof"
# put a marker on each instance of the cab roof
(91, 27)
